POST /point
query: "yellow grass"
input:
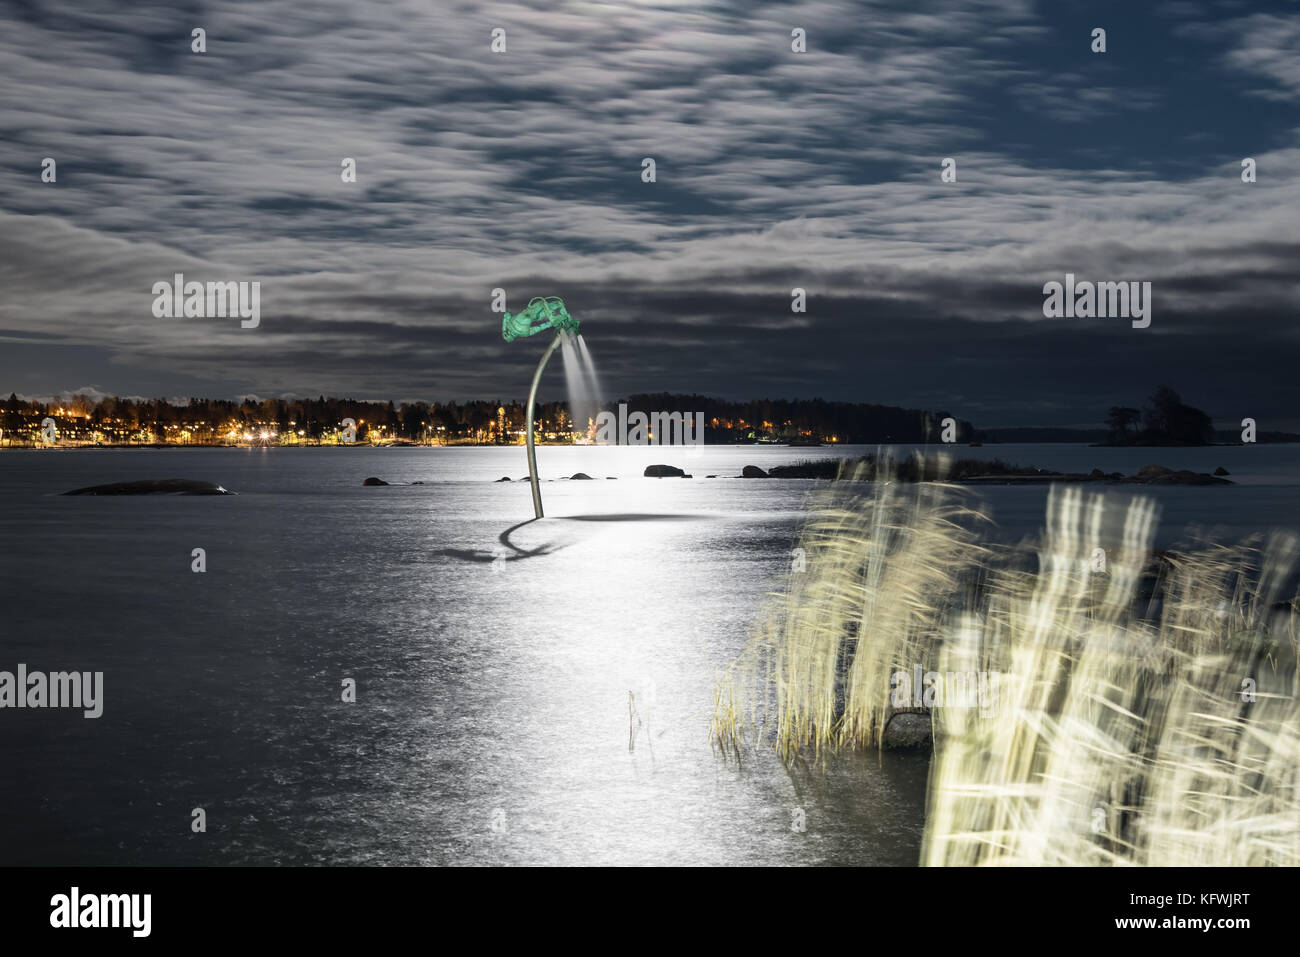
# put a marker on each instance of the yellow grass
(1124, 732)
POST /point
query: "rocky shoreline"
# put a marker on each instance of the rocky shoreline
(154, 487)
(983, 472)
(964, 471)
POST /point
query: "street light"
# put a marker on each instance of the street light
(539, 315)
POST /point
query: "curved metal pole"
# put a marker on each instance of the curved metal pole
(532, 398)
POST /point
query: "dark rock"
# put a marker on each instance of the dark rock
(908, 730)
(154, 487)
(752, 471)
(504, 478)
(710, 476)
(374, 481)
(1097, 474)
(611, 478)
(663, 471)
(826, 468)
(1221, 471)
(1159, 475)
(1153, 471)
(583, 476)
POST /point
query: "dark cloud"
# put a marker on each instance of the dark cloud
(775, 170)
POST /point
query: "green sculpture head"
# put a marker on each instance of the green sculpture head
(540, 314)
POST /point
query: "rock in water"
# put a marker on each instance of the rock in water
(154, 487)
(1160, 475)
(504, 478)
(1221, 471)
(1149, 472)
(908, 730)
(580, 475)
(663, 471)
(752, 471)
(374, 481)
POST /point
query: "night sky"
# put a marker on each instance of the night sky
(775, 169)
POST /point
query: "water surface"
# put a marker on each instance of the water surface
(493, 657)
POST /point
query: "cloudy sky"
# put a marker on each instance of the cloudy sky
(775, 169)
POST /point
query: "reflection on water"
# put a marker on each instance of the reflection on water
(502, 665)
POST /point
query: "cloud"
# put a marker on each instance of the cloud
(1269, 46)
(522, 171)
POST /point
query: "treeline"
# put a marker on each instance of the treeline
(211, 419)
(1164, 420)
(784, 419)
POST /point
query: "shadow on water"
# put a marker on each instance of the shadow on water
(474, 555)
(627, 517)
(546, 548)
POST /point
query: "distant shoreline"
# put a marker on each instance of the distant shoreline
(953, 448)
(417, 445)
